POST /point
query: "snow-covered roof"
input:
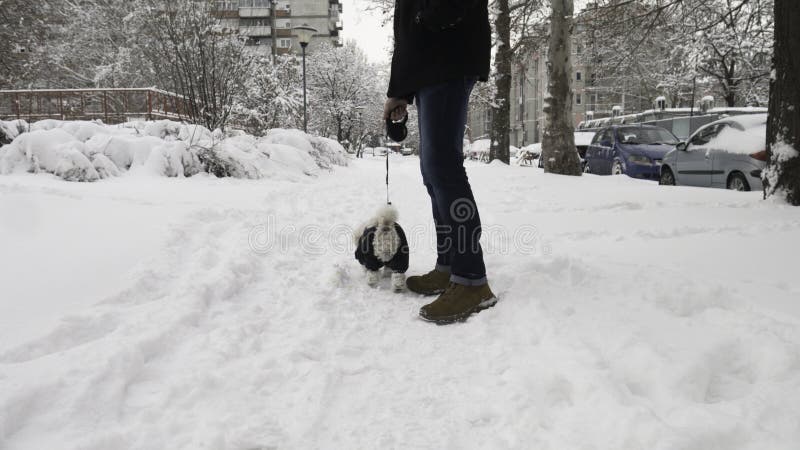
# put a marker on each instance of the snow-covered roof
(751, 140)
(749, 120)
(584, 137)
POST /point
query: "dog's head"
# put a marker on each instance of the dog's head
(386, 218)
(384, 221)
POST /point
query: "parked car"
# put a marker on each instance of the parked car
(380, 151)
(729, 153)
(582, 141)
(633, 150)
(406, 151)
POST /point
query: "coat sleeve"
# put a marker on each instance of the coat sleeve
(400, 261)
(364, 251)
(442, 15)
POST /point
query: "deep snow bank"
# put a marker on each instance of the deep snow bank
(630, 317)
(89, 151)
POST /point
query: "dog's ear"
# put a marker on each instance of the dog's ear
(358, 231)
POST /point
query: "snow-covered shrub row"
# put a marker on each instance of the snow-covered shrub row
(11, 129)
(89, 151)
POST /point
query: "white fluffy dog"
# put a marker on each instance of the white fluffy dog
(381, 243)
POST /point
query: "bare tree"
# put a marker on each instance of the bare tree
(343, 86)
(501, 117)
(22, 33)
(272, 95)
(663, 46)
(782, 176)
(192, 54)
(558, 144)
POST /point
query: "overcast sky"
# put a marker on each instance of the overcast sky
(365, 28)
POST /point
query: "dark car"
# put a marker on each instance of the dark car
(634, 150)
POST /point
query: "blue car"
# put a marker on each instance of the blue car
(633, 150)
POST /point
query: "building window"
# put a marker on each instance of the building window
(578, 76)
(284, 43)
(578, 99)
(287, 24)
(227, 5)
(254, 22)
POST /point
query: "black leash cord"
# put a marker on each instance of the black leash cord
(387, 178)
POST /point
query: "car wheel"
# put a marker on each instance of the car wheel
(737, 182)
(617, 168)
(667, 177)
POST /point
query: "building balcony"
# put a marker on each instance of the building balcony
(254, 12)
(283, 32)
(256, 31)
(225, 14)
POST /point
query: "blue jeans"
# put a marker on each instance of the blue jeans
(442, 111)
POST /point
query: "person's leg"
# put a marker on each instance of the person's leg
(442, 118)
(443, 245)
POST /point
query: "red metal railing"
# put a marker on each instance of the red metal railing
(109, 105)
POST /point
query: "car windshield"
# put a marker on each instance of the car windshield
(642, 135)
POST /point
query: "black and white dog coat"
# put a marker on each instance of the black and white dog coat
(381, 242)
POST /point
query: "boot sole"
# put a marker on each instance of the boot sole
(427, 293)
(461, 317)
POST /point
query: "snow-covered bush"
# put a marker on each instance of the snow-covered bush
(54, 151)
(162, 129)
(11, 129)
(87, 151)
(328, 152)
(325, 152)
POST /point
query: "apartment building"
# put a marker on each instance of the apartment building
(268, 23)
(595, 95)
(529, 81)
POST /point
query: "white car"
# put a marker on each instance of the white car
(729, 153)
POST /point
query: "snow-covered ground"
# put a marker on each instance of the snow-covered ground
(204, 313)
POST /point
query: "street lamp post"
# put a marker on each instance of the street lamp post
(304, 34)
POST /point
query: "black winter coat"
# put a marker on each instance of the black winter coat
(437, 41)
(365, 251)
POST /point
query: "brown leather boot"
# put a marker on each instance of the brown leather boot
(457, 303)
(432, 283)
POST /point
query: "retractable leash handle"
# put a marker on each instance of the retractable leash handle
(396, 131)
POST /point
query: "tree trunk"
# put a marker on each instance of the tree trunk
(501, 117)
(782, 176)
(558, 143)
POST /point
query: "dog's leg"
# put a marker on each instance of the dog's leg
(398, 281)
(373, 276)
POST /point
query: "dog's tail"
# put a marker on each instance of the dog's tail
(386, 216)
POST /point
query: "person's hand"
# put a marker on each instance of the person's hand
(395, 109)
